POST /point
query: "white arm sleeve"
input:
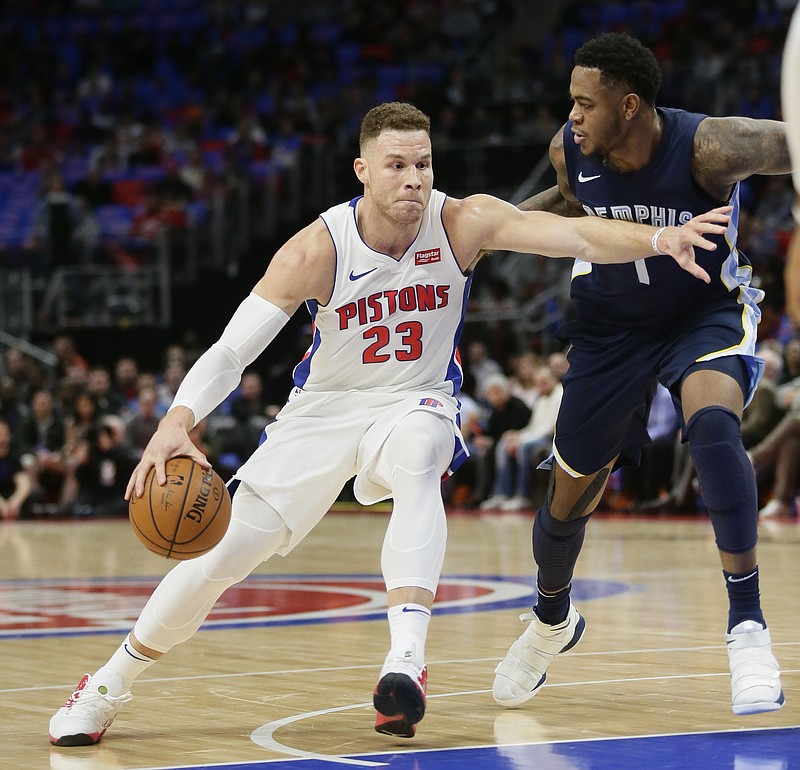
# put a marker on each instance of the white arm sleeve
(218, 371)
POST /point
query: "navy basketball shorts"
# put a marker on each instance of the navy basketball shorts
(612, 379)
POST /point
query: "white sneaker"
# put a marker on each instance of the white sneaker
(516, 504)
(775, 508)
(86, 715)
(755, 674)
(523, 671)
(493, 503)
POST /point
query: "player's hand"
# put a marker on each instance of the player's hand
(170, 440)
(680, 242)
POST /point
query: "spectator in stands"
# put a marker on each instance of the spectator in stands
(68, 355)
(249, 141)
(102, 471)
(776, 457)
(779, 452)
(98, 385)
(285, 146)
(763, 412)
(126, 373)
(523, 380)
(144, 422)
(505, 413)
(519, 451)
(204, 441)
(15, 482)
(174, 373)
(12, 407)
(41, 437)
(648, 486)
(791, 362)
(25, 371)
(461, 489)
(481, 365)
(559, 364)
(54, 228)
(195, 175)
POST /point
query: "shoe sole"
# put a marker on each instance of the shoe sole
(580, 627)
(762, 707)
(79, 739)
(400, 705)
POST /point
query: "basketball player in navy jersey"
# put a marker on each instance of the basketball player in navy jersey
(385, 278)
(621, 157)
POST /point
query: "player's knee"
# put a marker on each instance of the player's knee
(571, 498)
(723, 469)
(726, 477)
(255, 533)
(418, 443)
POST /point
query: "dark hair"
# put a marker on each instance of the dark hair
(392, 116)
(622, 60)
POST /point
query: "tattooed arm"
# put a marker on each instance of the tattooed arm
(727, 150)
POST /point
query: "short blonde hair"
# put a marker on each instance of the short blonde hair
(392, 116)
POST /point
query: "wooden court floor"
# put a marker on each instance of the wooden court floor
(282, 675)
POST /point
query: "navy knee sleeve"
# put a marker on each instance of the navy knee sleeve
(556, 546)
(726, 477)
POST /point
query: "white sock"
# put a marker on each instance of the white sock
(122, 669)
(408, 626)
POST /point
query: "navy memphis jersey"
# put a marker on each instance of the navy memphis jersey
(653, 291)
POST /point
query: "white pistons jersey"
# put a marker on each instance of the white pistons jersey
(390, 325)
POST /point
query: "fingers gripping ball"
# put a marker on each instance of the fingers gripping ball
(187, 516)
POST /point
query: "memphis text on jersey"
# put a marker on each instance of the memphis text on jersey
(657, 216)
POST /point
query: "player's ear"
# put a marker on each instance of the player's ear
(360, 167)
(630, 105)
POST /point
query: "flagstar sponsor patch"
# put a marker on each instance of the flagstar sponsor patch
(427, 257)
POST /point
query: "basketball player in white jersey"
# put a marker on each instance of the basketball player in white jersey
(385, 278)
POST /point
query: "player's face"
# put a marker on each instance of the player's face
(397, 174)
(597, 113)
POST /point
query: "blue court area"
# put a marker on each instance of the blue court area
(768, 749)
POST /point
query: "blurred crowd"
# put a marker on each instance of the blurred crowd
(71, 435)
(128, 116)
(124, 118)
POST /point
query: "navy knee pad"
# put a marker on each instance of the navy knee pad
(726, 477)
(556, 546)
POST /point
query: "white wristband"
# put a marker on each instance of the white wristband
(654, 242)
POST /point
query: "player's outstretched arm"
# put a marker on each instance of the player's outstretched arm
(484, 222)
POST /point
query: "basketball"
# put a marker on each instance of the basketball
(187, 516)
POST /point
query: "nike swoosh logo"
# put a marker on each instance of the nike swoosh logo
(354, 277)
(133, 654)
(411, 609)
(582, 178)
(732, 579)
